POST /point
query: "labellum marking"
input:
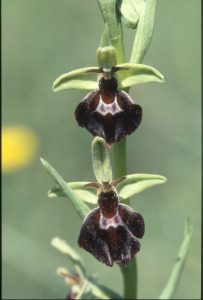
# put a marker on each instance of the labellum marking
(111, 108)
(115, 221)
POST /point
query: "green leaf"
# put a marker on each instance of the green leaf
(144, 32)
(93, 290)
(77, 79)
(133, 74)
(109, 292)
(97, 292)
(130, 11)
(66, 249)
(81, 208)
(136, 183)
(101, 160)
(174, 278)
(79, 189)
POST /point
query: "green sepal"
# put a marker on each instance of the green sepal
(106, 58)
(77, 79)
(144, 32)
(133, 74)
(101, 160)
(136, 183)
(81, 208)
(79, 189)
(130, 11)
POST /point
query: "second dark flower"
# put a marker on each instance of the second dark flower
(110, 231)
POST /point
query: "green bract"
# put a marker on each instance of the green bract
(130, 11)
(101, 160)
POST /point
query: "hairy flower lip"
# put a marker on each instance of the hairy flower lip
(108, 112)
(109, 232)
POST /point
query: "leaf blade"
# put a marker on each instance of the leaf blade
(66, 249)
(144, 32)
(81, 208)
(172, 283)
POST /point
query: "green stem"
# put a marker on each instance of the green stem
(130, 271)
(119, 157)
(130, 279)
(112, 19)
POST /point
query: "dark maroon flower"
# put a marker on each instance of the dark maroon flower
(109, 232)
(108, 112)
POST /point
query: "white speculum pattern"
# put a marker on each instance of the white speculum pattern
(112, 108)
(115, 221)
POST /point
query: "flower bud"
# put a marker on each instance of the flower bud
(106, 58)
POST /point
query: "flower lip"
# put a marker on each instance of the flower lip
(108, 112)
(109, 232)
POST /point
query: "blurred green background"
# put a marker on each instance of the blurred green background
(42, 40)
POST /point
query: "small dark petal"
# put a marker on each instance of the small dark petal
(132, 115)
(133, 220)
(84, 109)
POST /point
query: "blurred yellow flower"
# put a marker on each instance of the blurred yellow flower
(19, 147)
